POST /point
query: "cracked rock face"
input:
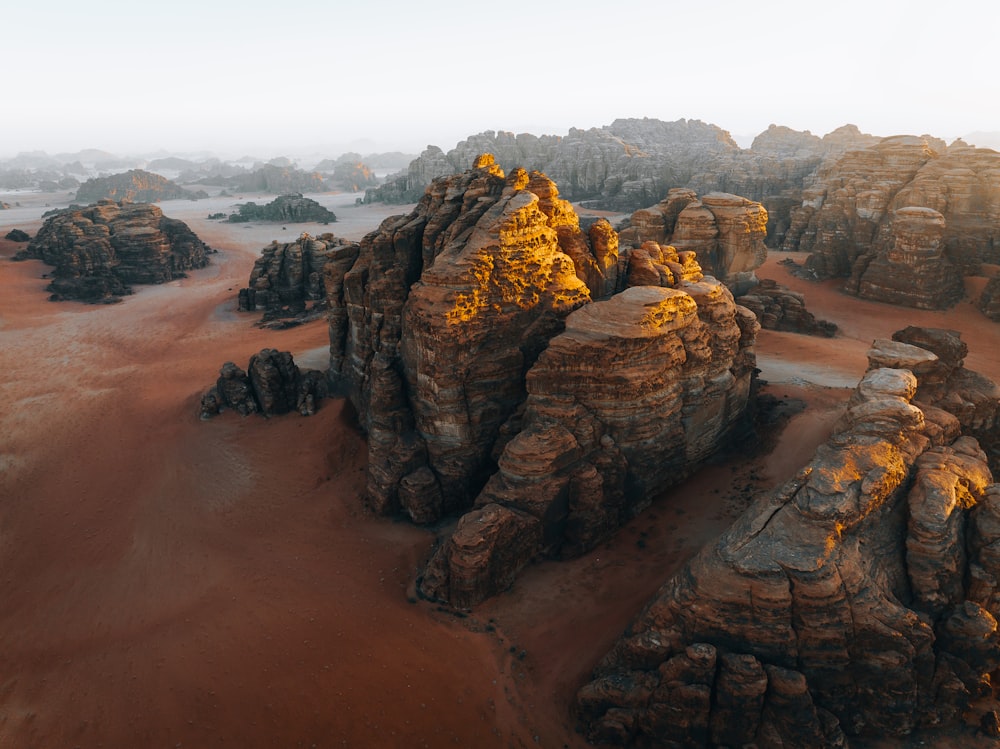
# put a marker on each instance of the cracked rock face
(100, 250)
(858, 599)
(489, 381)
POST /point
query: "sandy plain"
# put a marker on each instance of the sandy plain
(170, 582)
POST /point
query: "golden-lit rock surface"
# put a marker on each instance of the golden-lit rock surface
(860, 598)
(487, 378)
(636, 393)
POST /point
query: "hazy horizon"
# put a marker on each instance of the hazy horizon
(238, 78)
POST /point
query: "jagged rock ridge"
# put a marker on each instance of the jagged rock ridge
(858, 599)
(100, 250)
(447, 333)
(134, 186)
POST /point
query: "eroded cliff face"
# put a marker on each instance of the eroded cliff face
(858, 599)
(726, 232)
(861, 219)
(447, 332)
(100, 250)
(287, 280)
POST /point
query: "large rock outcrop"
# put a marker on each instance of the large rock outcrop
(447, 332)
(860, 598)
(725, 231)
(292, 209)
(134, 186)
(989, 300)
(100, 250)
(859, 218)
(779, 308)
(271, 385)
(287, 280)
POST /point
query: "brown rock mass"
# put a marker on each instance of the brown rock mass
(858, 599)
(447, 333)
(100, 250)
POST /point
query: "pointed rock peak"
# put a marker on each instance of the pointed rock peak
(488, 163)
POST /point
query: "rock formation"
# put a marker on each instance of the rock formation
(271, 385)
(287, 208)
(989, 300)
(98, 251)
(271, 178)
(447, 333)
(16, 235)
(779, 308)
(726, 232)
(134, 186)
(861, 220)
(287, 279)
(860, 598)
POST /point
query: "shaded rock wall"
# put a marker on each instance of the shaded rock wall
(779, 308)
(287, 280)
(100, 250)
(858, 599)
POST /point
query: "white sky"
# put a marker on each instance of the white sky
(302, 76)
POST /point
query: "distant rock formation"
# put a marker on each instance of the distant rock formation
(348, 172)
(989, 300)
(274, 179)
(725, 231)
(287, 280)
(859, 599)
(779, 308)
(271, 385)
(98, 251)
(16, 235)
(447, 333)
(290, 209)
(865, 218)
(134, 186)
(624, 165)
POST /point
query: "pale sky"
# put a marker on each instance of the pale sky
(303, 76)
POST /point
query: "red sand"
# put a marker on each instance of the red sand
(171, 582)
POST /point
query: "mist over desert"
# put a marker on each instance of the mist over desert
(173, 582)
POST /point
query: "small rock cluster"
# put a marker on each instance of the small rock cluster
(271, 385)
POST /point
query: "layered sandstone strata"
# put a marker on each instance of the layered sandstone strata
(100, 250)
(634, 394)
(910, 267)
(860, 209)
(858, 599)
(292, 208)
(725, 231)
(445, 333)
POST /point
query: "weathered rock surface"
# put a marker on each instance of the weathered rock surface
(271, 385)
(779, 308)
(290, 209)
(637, 392)
(725, 231)
(445, 333)
(859, 219)
(98, 251)
(134, 186)
(858, 599)
(16, 235)
(287, 280)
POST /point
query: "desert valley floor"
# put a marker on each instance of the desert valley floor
(170, 582)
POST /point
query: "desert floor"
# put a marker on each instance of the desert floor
(168, 582)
